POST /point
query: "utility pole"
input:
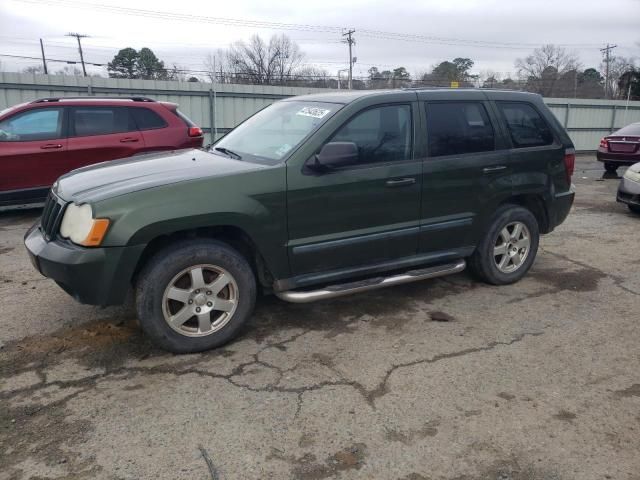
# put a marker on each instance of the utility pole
(78, 37)
(607, 60)
(44, 62)
(351, 41)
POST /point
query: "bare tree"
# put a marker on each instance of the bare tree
(618, 66)
(545, 66)
(217, 66)
(268, 63)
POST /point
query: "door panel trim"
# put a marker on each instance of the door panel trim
(461, 222)
(361, 239)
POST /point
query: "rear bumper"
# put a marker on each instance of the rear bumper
(96, 276)
(618, 158)
(560, 207)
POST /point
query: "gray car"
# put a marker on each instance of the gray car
(629, 189)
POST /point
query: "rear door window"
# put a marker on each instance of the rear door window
(88, 121)
(147, 119)
(33, 125)
(456, 128)
(526, 126)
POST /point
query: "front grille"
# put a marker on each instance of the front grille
(51, 216)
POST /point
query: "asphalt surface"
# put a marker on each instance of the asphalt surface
(442, 379)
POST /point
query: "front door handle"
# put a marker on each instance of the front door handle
(50, 146)
(128, 140)
(400, 182)
(497, 168)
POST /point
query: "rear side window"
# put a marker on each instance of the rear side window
(147, 119)
(33, 125)
(526, 127)
(456, 128)
(184, 118)
(87, 121)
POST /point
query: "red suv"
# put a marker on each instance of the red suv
(43, 139)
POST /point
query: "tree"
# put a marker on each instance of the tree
(265, 63)
(124, 64)
(129, 63)
(545, 66)
(446, 72)
(618, 66)
(38, 70)
(149, 67)
(590, 84)
(629, 84)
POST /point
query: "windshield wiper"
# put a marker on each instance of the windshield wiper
(228, 152)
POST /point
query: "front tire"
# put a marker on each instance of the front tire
(508, 249)
(634, 208)
(195, 295)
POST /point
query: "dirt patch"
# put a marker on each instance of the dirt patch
(5, 250)
(308, 468)
(582, 280)
(23, 438)
(632, 391)
(102, 343)
(506, 396)
(429, 429)
(565, 415)
(510, 470)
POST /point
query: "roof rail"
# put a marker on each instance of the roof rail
(57, 99)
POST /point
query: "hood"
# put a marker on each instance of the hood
(119, 177)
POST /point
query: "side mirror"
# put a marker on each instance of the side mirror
(335, 155)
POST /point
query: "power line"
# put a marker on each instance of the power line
(297, 27)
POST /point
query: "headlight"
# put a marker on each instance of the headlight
(79, 226)
(631, 175)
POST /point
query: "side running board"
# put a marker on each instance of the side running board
(333, 291)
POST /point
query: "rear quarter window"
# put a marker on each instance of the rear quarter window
(526, 126)
(147, 119)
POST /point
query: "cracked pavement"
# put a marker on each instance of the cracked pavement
(442, 379)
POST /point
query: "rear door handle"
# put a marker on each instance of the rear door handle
(50, 146)
(497, 168)
(400, 182)
(128, 140)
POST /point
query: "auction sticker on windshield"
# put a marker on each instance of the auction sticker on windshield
(314, 112)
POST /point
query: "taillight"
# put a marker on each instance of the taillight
(195, 132)
(604, 143)
(569, 163)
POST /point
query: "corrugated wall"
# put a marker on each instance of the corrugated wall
(587, 121)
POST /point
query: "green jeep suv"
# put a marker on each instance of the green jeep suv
(311, 198)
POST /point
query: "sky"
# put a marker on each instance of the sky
(388, 33)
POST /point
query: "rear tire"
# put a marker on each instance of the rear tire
(611, 167)
(195, 295)
(508, 248)
(634, 208)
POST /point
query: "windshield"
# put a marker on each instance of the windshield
(270, 134)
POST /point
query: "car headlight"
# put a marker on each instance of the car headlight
(79, 226)
(631, 175)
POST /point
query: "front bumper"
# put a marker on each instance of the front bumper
(629, 192)
(96, 276)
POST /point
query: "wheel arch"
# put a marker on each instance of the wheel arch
(536, 205)
(232, 235)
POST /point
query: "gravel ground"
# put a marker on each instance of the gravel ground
(442, 379)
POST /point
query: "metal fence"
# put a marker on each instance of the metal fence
(220, 107)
